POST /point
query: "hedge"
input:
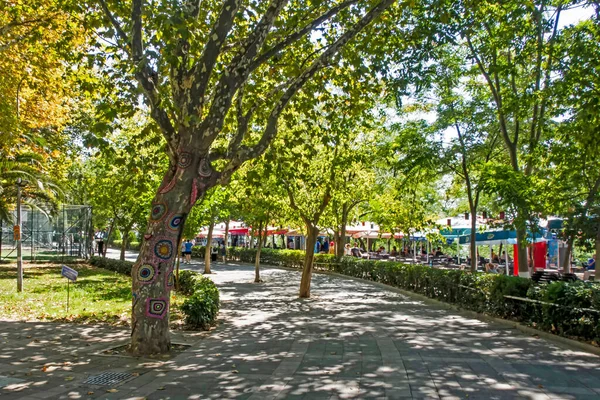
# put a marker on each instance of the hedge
(202, 305)
(565, 308)
(134, 246)
(121, 267)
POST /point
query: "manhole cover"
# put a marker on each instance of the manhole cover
(108, 378)
(6, 381)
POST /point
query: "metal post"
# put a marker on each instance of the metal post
(19, 245)
(68, 294)
(31, 232)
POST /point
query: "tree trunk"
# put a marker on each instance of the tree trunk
(124, 244)
(339, 251)
(207, 250)
(153, 273)
(261, 234)
(108, 235)
(473, 244)
(226, 239)
(565, 257)
(311, 239)
(597, 240)
(522, 253)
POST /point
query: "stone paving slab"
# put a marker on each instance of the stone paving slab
(351, 340)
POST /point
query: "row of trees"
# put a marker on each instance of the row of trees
(299, 114)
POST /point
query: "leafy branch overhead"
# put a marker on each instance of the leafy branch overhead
(199, 65)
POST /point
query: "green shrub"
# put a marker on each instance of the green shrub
(202, 307)
(187, 281)
(121, 267)
(135, 246)
(572, 312)
(198, 251)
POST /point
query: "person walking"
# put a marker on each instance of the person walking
(100, 236)
(187, 251)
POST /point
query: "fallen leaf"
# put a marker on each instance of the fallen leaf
(90, 393)
(161, 388)
(44, 368)
(540, 386)
(112, 391)
(28, 337)
(333, 353)
(69, 378)
(235, 371)
(135, 374)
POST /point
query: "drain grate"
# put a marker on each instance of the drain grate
(108, 378)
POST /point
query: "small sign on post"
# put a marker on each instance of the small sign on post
(17, 232)
(71, 275)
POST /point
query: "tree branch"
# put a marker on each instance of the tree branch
(236, 74)
(270, 131)
(261, 59)
(120, 32)
(200, 74)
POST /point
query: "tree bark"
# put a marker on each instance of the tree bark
(311, 239)
(124, 244)
(226, 239)
(473, 244)
(153, 273)
(108, 235)
(261, 234)
(597, 240)
(565, 259)
(207, 250)
(522, 253)
(339, 251)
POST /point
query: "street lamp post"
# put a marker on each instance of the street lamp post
(17, 232)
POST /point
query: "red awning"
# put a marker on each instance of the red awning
(239, 231)
(278, 232)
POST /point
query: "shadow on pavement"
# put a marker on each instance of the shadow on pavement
(350, 340)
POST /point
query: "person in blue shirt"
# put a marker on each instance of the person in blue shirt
(325, 247)
(187, 251)
(591, 264)
(317, 247)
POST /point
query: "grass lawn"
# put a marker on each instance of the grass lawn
(98, 295)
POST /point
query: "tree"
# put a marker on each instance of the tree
(407, 177)
(132, 152)
(572, 160)
(321, 149)
(473, 123)
(194, 78)
(514, 49)
(260, 201)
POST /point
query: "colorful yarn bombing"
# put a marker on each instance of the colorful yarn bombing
(169, 186)
(175, 222)
(158, 211)
(204, 169)
(156, 308)
(170, 280)
(148, 236)
(163, 249)
(194, 194)
(146, 273)
(185, 160)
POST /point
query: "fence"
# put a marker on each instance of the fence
(67, 234)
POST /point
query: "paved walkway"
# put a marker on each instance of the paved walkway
(351, 340)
